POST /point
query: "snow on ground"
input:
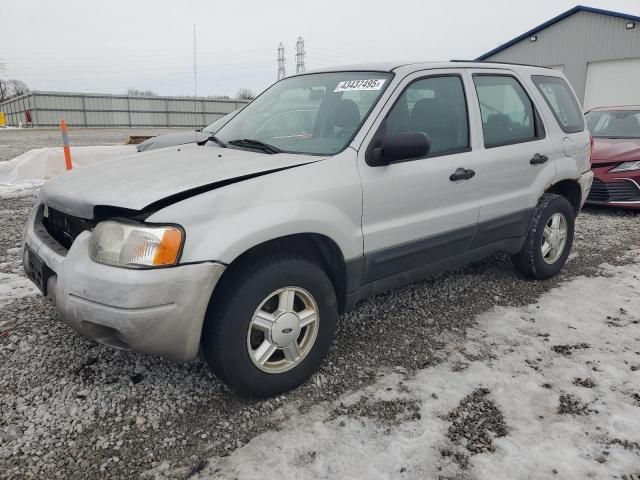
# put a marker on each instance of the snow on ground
(20, 189)
(550, 390)
(14, 286)
(13, 283)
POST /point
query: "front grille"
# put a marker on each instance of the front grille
(65, 228)
(613, 192)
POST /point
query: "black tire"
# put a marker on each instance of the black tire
(240, 293)
(529, 261)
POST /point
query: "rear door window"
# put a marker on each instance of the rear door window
(508, 114)
(561, 101)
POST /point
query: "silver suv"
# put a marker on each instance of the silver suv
(328, 188)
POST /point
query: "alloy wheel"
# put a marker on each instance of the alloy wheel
(554, 238)
(283, 330)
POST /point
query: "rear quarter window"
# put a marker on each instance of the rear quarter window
(561, 101)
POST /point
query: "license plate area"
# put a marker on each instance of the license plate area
(36, 270)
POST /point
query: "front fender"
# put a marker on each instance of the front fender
(323, 198)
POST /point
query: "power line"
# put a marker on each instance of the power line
(300, 56)
(281, 61)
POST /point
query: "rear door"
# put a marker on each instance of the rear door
(517, 156)
(569, 123)
(413, 212)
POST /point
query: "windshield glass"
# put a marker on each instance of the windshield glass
(219, 123)
(614, 123)
(315, 114)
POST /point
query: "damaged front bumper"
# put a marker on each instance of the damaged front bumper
(156, 311)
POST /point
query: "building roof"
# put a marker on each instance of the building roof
(562, 16)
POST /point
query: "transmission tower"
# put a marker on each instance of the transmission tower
(300, 55)
(281, 71)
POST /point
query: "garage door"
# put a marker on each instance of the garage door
(612, 82)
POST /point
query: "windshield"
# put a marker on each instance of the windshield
(614, 123)
(315, 114)
(219, 123)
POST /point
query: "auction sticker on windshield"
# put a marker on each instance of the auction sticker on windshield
(351, 85)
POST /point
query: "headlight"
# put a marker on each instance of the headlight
(135, 245)
(626, 167)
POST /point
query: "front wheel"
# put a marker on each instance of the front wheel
(549, 239)
(270, 325)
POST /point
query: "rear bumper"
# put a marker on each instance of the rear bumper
(155, 311)
(586, 181)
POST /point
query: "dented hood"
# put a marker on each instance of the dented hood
(140, 180)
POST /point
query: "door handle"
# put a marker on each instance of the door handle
(538, 159)
(461, 174)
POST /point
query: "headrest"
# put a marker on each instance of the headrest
(499, 120)
(347, 114)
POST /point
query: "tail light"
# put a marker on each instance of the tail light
(590, 149)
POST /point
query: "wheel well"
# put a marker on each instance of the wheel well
(571, 190)
(318, 248)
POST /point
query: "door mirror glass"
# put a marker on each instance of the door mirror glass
(401, 146)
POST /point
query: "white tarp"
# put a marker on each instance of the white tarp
(41, 164)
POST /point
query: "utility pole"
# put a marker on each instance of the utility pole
(281, 71)
(300, 56)
(195, 79)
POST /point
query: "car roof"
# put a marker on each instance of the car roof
(409, 66)
(616, 108)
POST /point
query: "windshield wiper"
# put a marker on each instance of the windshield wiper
(213, 138)
(257, 144)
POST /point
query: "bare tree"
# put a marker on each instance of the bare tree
(17, 87)
(3, 83)
(134, 92)
(12, 88)
(245, 94)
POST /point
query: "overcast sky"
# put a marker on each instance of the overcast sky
(109, 46)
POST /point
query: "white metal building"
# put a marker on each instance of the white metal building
(598, 50)
(42, 109)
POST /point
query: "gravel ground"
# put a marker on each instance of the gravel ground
(73, 409)
(14, 141)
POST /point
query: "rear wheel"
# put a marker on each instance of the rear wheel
(549, 238)
(270, 325)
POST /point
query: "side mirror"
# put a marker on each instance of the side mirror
(401, 146)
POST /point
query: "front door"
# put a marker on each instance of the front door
(415, 212)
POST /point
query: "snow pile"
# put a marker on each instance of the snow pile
(36, 166)
(550, 390)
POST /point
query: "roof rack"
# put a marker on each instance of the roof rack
(499, 63)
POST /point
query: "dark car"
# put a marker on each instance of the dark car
(616, 156)
(181, 138)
